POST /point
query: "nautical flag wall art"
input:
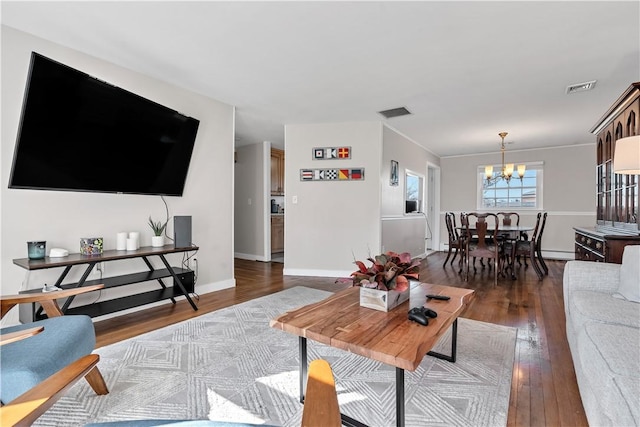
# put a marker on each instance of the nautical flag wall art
(355, 174)
(328, 153)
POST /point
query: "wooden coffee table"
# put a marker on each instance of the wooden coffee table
(388, 337)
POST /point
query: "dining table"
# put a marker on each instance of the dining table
(506, 233)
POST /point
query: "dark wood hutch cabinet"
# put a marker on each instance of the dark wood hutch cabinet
(617, 219)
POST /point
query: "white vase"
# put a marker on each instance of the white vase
(157, 241)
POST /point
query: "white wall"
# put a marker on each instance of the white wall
(401, 232)
(568, 191)
(250, 207)
(62, 218)
(333, 221)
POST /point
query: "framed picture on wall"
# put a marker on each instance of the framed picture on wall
(394, 173)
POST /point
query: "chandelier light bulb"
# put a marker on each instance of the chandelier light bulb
(521, 170)
(507, 169)
(488, 171)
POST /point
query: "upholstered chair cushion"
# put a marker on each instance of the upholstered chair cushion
(629, 287)
(25, 363)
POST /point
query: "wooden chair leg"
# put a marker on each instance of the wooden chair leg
(455, 254)
(96, 381)
(466, 269)
(541, 261)
(447, 259)
(535, 265)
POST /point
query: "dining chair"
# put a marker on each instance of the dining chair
(528, 248)
(487, 244)
(455, 243)
(472, 239)
(506, 218)
(539, 245)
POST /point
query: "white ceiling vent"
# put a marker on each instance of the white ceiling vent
(581, 87)
(394, 112)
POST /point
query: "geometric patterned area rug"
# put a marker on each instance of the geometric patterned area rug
(229, 365)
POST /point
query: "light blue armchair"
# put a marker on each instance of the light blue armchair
(40, 360)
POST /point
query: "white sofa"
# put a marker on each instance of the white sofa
(602, 306)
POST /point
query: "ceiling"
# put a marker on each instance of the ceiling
(466, 70)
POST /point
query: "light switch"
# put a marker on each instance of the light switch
(294, 200)
(249, 201)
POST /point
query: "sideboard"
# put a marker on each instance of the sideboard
(183, 280)
(594, 245)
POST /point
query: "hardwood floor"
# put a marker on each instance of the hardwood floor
(543, 390)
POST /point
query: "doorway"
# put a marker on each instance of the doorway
(432, 237)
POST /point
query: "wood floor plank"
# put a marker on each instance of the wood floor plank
(544, 389)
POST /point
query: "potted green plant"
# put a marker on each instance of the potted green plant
(385, 283)
(157, 240)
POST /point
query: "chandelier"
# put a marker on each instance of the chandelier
(507, 169)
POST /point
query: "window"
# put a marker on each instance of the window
(525, 193)
(414, 189)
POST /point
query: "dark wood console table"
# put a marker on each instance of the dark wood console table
(179, 275)
(596, 245)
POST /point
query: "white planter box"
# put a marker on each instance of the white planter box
(382, 300)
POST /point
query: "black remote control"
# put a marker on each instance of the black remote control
(439, 297)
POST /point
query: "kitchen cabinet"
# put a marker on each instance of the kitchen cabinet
(277, 172)
(277, 233)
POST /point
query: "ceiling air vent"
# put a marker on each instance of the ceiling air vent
(581, 87)
(394, 112)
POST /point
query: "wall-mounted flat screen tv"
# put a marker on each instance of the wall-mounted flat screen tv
(78, 133)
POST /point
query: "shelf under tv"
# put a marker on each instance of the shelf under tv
(183, 281)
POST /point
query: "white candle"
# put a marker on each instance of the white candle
(131, 244)
(121, 241)
(136, 236)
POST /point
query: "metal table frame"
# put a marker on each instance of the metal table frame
(400, 398)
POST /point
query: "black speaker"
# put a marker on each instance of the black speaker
(187, 279)
(182, 231)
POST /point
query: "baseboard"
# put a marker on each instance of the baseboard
(317, 273)
(216, 286)
(250, 257)
(559, 255)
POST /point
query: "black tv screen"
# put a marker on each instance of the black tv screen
(78, 133)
